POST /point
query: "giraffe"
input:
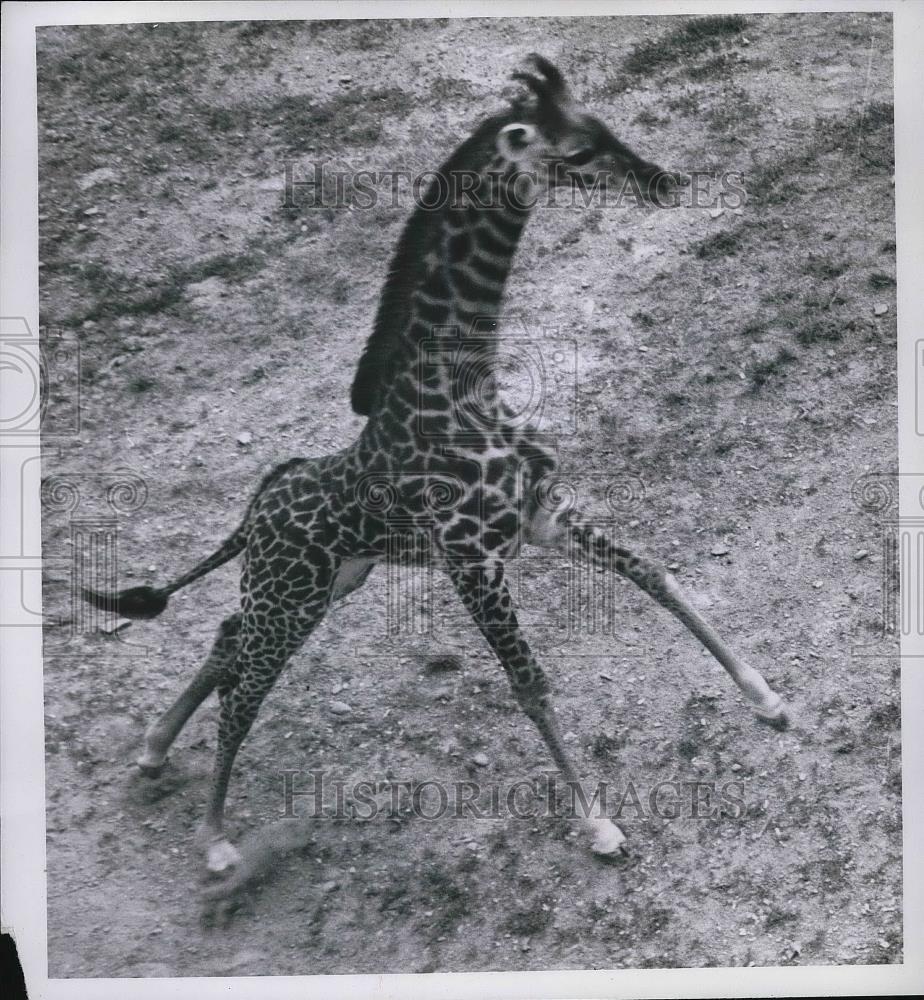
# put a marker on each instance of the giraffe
(440, 451)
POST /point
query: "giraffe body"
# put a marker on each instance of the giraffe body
(442, 470)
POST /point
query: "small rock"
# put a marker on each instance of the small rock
(880, 310)
(818, 584)
(95, 211)
(860, 554)
(244, 438)
(719, 550)
(673, 566)
(346, 79)
(331, 886)
(480, 760)
(716, 213)
(103, 175)
(340, 708)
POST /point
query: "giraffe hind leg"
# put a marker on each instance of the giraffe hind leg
(161, 734)
(266, 644)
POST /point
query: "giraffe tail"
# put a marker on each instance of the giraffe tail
(149, 602)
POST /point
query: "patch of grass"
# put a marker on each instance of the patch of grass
(449, 88)
(117, 293)
(716, 68)
(778, 916)
(721, 244)
(141, 383)
(644, 319)
(372, 34)
(885, 716)
(879, 280)
(683, 44)
(688, 103)
(351, 118)
(821, 329)
(760, 372)
(754, 329)
(867, 138)
(605, 747)
(824, 268)
(447, 898)
(443, 664)
(527, 922)
(649, 119)
(733, 113)
(676, 399)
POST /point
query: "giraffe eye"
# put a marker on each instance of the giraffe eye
(580, 156)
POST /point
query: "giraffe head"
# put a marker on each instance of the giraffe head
(554, 138)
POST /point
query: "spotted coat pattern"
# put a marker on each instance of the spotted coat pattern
(442, 457)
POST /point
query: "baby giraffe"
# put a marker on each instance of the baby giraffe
(442, 455)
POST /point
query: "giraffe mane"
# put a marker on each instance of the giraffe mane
(382, 352)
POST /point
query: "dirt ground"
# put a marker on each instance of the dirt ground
(739, 364)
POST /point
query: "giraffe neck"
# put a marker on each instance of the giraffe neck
(448, 346)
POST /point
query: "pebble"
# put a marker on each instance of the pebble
(860, 554)
(818, 584)
(330, 886)
(340, 708)
(480, 759)
(95, 211)
(244, 438)
(719, 550)
(880, 310)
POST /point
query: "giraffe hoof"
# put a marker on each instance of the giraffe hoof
(222, 856)
(150, 770)
(778, 718)
(609, 841)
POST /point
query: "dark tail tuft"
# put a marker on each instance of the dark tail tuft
(138, 602)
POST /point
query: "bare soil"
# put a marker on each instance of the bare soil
(734, 363)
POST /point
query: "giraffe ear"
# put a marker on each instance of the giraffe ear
(515, 139)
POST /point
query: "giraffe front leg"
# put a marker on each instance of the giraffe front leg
(487, 598)
(606, 838)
